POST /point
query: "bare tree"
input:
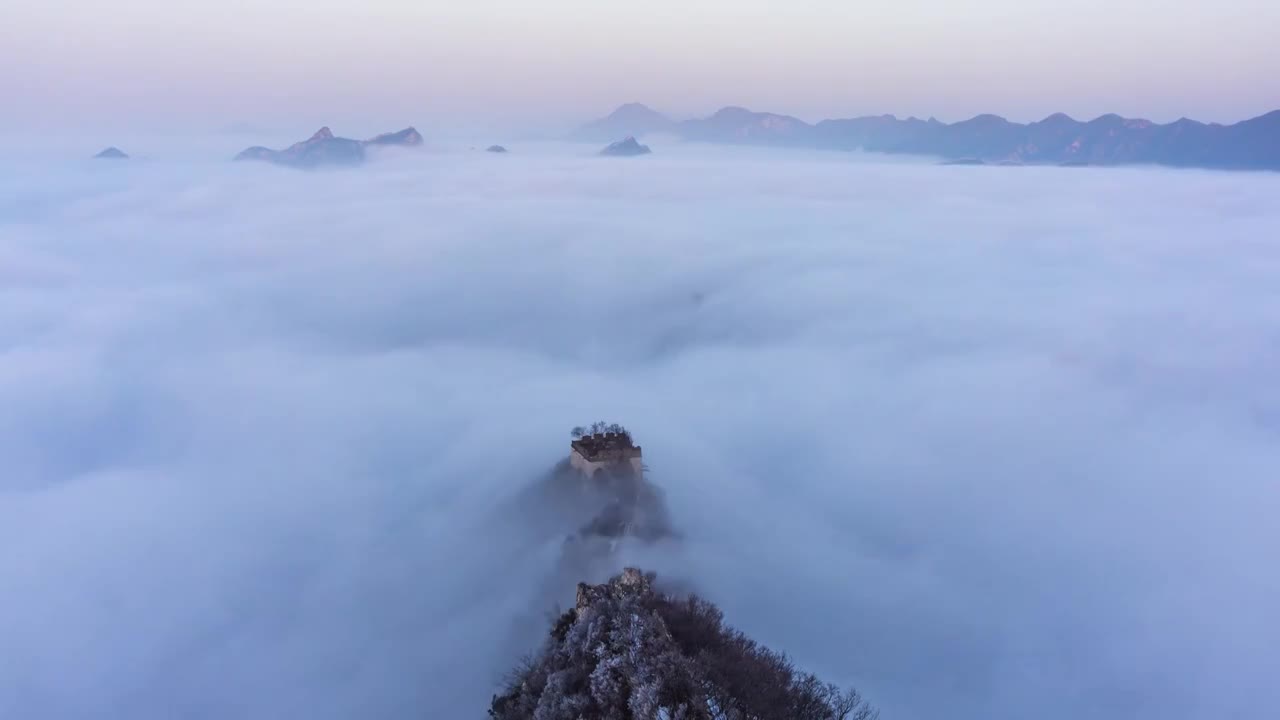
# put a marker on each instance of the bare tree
(850, 705)
(600, 427)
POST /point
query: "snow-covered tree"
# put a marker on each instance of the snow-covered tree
(630, 652)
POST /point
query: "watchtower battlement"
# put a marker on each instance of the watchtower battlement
(604, 447)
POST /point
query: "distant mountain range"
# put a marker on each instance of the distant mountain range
(324, 148)
(986, 139)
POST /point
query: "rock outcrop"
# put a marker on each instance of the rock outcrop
(627, 649)
(628, 147)
(111, 153)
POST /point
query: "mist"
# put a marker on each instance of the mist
(983, 442)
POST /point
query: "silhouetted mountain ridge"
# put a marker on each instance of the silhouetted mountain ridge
(325, 148)
(1252, 144)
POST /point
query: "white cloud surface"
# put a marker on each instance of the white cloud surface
(985, 442)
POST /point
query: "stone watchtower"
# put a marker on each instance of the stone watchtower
(608, 451)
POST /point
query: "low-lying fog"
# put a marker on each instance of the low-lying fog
(983, 442)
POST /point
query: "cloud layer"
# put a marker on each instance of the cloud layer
(983, 442)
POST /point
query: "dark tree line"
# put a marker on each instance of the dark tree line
(634, 653)
(599, 427)
(747, 680)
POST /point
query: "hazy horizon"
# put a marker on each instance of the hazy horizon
(147, 64)
(477, 127)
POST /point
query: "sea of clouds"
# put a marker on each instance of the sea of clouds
(983, 442)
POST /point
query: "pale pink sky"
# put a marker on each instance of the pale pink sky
(500, 62)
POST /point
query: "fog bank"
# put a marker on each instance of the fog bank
(984, 442)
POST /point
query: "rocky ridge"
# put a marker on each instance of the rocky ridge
(627, 649)
(326, 149)
(634, 648)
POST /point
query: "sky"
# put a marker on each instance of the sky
(205, 64)
(983, 442)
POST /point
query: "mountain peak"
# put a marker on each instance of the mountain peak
(739, 125)
(112, 153)
(985, 119)
(1058, 118)
(408, 137)
(632, 119)
(626, 147)
(323, 133)
(633, 108)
